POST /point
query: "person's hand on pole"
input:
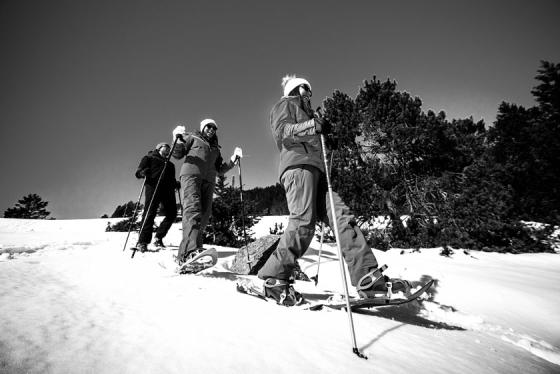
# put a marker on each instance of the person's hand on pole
(142, 173)
(179, 132)
(237, 154)
(322, 126)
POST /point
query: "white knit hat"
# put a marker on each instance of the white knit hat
(206, 122)
(289, 82)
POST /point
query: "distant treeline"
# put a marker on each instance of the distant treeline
(262, 201)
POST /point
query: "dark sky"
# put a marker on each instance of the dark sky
(88, 87)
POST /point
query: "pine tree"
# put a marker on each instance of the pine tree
(31, 206)
(526, 143)
(390, 151)
(225, 226)
(547, 93)
(269, 200)
(350, 170)
(118, 213)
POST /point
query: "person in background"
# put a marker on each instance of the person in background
(202, 163)
(151, 166)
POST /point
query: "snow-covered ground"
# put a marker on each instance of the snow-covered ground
(71, 301)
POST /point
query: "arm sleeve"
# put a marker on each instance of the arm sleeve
(144, 164)
(282, 126)
(181, 149)
(223, 167)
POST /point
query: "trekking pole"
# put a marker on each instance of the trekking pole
(155, 192)
(180, 201)
(316, 277)
(134, 214)
(243, 210)
(338, 246)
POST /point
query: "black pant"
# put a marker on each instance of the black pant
(166, 197)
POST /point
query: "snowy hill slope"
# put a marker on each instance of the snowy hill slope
(72, 301)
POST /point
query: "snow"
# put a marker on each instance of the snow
(72, 301)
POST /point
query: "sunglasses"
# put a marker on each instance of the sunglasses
(306, 88)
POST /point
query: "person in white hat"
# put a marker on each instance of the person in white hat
(297, 132)
(202, 163)
(151, 166)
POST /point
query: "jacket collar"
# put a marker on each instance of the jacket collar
(155, 153)
(213, 142)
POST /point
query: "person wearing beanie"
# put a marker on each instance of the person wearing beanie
(151, 166)
(202, 163)
(297, 132)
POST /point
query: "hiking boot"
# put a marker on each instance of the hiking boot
(299, 274)
(142, 247)
(178, 261)
(159, 243)
(282, 291)
(375, 285)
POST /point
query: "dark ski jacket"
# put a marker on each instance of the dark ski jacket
(294, 132)
(151, 167)
(202, 157)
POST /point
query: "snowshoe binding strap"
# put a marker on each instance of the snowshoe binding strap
(187, 256)
(368, 280)
(192, 254)
(399, 285)
(282, 291)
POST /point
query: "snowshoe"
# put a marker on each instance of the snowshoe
(282, 291)
(198, 260)
(247, 286)
(376, 302)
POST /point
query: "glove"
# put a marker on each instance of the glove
(179, 132)
(322, 126)
(177, 185)
(237, 153)
(141, 173)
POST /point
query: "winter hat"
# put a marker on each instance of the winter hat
(206, 122)
(289, 82)
(162, 144)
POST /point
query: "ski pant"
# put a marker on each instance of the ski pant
(166, 197)
(308, 200)
(198, 194)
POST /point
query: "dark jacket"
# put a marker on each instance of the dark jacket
(151, 167)
(294, 132)
(202, 157)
